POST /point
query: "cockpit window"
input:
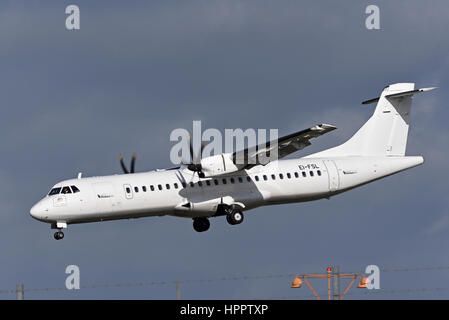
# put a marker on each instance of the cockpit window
(54, 191)
(66, 190)
(75, 189)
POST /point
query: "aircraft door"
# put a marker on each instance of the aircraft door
(128, 191)
(333, 176)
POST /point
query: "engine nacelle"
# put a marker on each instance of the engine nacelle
(218, 165)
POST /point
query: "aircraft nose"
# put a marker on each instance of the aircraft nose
(35, 212)
(38, 211)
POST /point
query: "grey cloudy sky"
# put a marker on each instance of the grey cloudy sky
(73, 100)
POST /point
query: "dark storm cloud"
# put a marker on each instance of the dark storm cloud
(72, 101)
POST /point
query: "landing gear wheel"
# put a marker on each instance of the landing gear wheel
(59, 235)
(201, 224)
(234, 217)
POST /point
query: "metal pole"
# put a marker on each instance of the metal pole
(336, 283)
(19, 291)
(311, 288)
(178, 290)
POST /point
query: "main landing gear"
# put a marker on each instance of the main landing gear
(201, 224)
(233, 216)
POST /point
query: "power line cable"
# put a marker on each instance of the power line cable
(226, 278)
(367, 292)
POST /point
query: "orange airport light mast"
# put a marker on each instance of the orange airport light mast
(333, 276)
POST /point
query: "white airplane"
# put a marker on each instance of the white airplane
(218, 186)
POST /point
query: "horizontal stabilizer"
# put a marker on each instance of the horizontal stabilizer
(371, 101)
(400, 94)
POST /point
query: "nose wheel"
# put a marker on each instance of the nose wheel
(59, 235)
(59, 226)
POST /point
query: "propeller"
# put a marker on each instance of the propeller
(133, 161)
(195, 158)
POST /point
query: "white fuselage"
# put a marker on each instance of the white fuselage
(123, 196)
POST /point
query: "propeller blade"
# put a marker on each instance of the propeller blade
(195, 158)
(181, 178)
(191, 156)
(203, 145)
(125, 170)
(133, 162)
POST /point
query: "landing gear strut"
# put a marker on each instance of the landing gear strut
(201, 224)
(234, 216)
(59, 235)
(59, 226)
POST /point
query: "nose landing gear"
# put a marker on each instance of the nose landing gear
(59, 235)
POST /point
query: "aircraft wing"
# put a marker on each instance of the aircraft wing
(286, 145)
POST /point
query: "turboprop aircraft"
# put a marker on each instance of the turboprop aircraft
(220, 186)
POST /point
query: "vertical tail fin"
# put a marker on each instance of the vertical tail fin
(385, 133)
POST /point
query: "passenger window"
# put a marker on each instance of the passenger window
(216, 182)
(184, 185)
(296, 175)
(152, 188)
(128, 190)
(136, 189)
(311, 173)
(224, 181)
(257, 178)
(200, 183)
(281, 176)
(319, 172)
(175, 185)
(289, 175)
(159, 187)
(232, 180)
(167, 186)
(144, 189)
(248, 179)
(304, 174)
(75, 189)
(240, 179)
(66, 190)
(273, 177)
(208, 182)
(265, 177)
(192, 184)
